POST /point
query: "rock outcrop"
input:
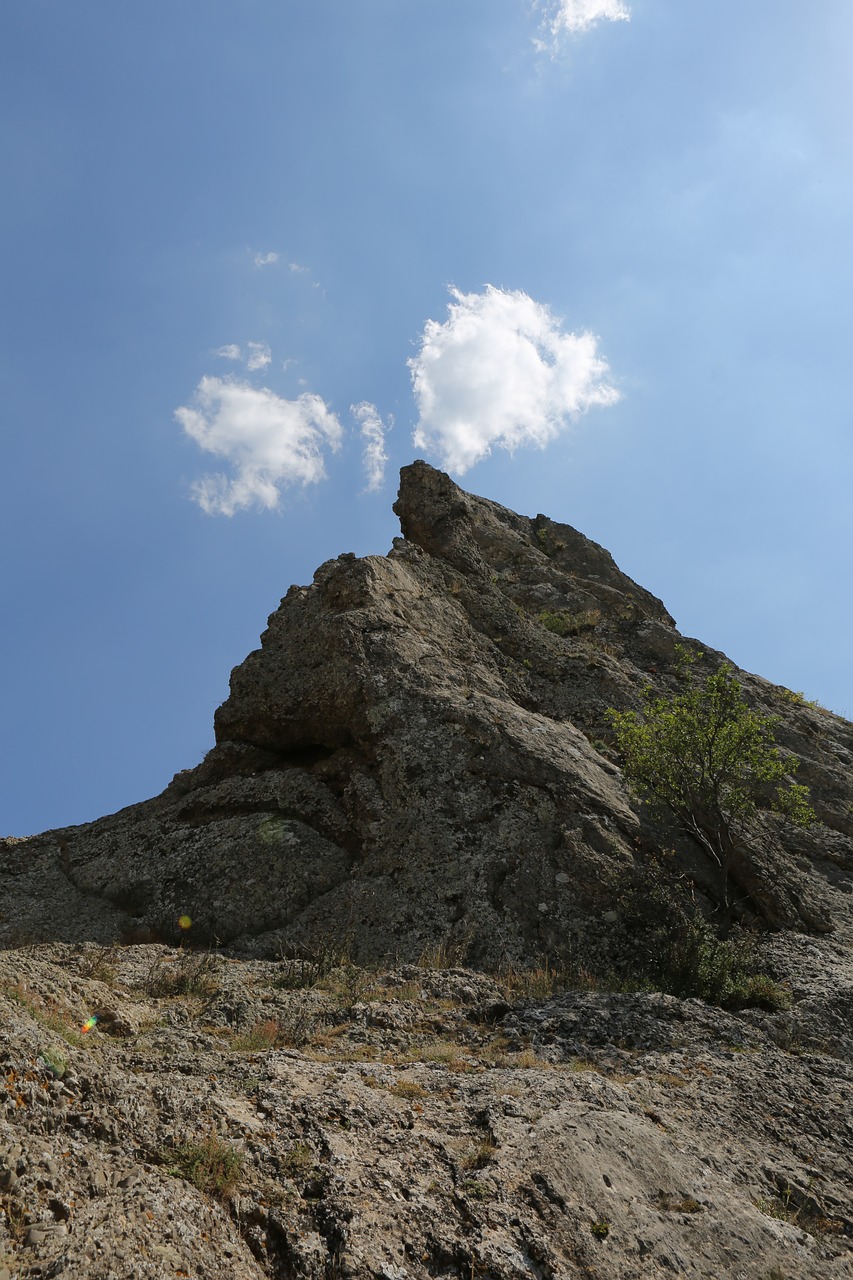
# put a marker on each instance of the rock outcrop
(414, 758)
(413, 772)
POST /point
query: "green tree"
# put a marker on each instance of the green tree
(706, 758)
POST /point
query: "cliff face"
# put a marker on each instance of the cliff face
(417, 755)
(414, 772)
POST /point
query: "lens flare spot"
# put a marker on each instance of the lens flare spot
(89, 1024)
(184, 922)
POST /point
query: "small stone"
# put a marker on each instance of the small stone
(131, 1179)
(39, 1234)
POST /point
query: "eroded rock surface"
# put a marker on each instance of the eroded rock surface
(414, 771)
(409, 1123)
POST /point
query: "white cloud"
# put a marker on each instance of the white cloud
(270, 442)
(579, 15)
(373, 434)
(268, 259)
(259, 356)
(501, 371)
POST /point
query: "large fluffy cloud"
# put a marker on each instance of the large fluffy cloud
(580, 15)
(501, 371)
(269, 442)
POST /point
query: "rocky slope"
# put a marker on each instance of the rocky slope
(217, 1123)
(415, 771)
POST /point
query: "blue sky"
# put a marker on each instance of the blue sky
(592, 257)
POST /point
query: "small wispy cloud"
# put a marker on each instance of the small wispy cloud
(259, 356)
(576, 16)
(269, 442)
(373, 432)
(501, 371)
(298, 269)
(265, 259)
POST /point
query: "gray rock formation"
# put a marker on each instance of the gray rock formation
(412, 758)
(415, 771)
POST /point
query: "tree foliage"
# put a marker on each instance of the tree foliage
(709, 760)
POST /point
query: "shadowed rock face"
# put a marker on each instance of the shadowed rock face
(414, 758)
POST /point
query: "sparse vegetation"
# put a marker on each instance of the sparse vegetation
(445, 1052)
(669, 1202)
(446, 954)
(299, 1162)
(99, 963)
(47, 1012)
(537, 983)
(481, 1155)
(211, 1165)
(409, 1089)
(675, 949)
(526, 1059)
(261, 1035)
(564, 623)
(297, 974)
(404, 991)
(548, 543)
(704, 757)
(190, 973)
(54, 1061)
(325, 952)
(788, 1205)
(798, 699)
(293, 1028)
(475, 1190)
(581, 1064)
(14, 1216)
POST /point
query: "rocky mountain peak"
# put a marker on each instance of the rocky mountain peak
(419, 754)
(388, 984)
(527, 556)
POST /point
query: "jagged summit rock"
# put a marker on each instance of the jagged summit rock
(480, 536)
(417, 756)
